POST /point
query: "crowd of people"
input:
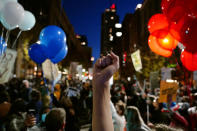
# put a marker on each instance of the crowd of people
(25, 104)
(31, 104)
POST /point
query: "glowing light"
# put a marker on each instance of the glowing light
(111, 38)
(90, 77)
(168, 42)
(92, 58)
(118, 34)
(129, 78)
(138, 6)
(38, 42)
(78, 36)
(165, 41)
(83, 43)
(83, 70)
(171, 81)
(113, 6)
(118, 25)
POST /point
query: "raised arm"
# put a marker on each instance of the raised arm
(103, 70)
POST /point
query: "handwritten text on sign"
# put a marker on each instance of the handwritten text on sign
(7, 61)
(166, 89)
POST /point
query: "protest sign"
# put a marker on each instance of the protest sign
(154, 80)
(136, 59)
(7, 61)
(167, 88)
(50, 70)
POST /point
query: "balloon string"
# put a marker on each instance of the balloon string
(7, 36)
(19, 33)
(188, 86)
(52, 74)
(187, 82)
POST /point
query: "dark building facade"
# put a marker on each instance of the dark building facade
(51, 12)
(83, 40)
(135, 35)
(110, 28)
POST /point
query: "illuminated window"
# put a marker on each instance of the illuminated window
(118, 25)
(118, 34)
(110, 30)
(92, 58)
(111, 38)
(83, 43)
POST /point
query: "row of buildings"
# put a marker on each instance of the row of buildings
(123, 38)
(50, 12)
(134, 35)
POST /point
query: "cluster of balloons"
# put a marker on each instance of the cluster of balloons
(52, 45)
(13, 15)
(177, 23)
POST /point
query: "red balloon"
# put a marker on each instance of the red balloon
(188, 34)
(165, 39)
(174, 9)
(155, 47)
(166, 4)
(157, 22)
(189, 60)
(192, 6)
(168, 42)
(175, 28)
(161, 33)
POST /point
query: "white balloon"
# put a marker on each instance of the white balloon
(3, 2)
(28, 21)
(12, 15)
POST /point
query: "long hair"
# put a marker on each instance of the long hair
(134, 118)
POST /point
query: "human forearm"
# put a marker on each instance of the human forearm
(102, 118)
(103, 70)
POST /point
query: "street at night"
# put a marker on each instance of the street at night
(106, 65)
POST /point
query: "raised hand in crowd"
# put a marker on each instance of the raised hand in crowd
(104, 69)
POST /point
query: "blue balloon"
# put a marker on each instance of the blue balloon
(54, 39)
(36, 53)
(61, 55)
(3, 46)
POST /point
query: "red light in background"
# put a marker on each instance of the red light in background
(124, 56)
(113, 6)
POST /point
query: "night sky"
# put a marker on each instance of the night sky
(85, 16)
